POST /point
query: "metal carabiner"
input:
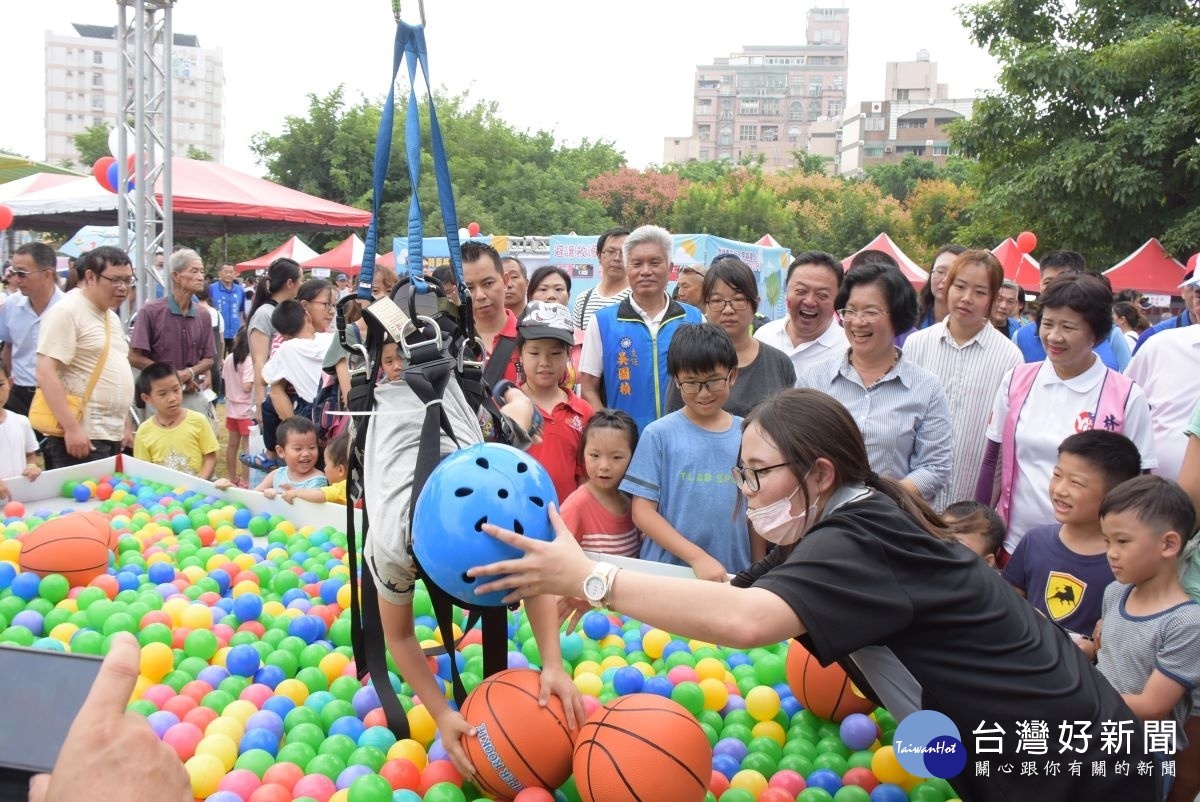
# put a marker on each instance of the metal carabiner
(407, 348)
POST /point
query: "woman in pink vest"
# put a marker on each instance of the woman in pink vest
(1040, 404)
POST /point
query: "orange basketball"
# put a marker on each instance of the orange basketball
(642, 747)
(76, 546)
(100, 527)
(517, 743)
(826, 691)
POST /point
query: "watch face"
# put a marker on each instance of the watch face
(593, 588)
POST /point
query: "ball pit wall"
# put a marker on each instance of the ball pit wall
(47, 485)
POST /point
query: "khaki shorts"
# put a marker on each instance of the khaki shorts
(395, 575)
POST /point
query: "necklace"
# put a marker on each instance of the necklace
(871, 378)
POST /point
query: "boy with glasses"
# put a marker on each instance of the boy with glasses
(679, 475)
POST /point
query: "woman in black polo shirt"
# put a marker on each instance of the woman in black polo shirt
(861, 565)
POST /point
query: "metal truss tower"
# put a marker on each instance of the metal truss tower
(145, 43)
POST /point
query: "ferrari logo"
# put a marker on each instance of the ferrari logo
(1063, 594)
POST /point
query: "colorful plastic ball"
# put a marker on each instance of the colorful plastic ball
(82, 493)
(444, 792)
(157, 661)
(762, 703)
(858, 731)
(824, 779)
(628, 680)
(596, 625)
(316, 786)
(270, 792)
(862, 777)
(205, 773)
(243, 660)
(887, 768)
(888, 792)
(240, 782)
(370, 788)
(183, 738)
(737, 795)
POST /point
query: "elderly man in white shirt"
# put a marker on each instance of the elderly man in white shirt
(810, 333)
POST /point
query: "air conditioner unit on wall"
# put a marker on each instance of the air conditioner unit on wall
(887, 148)
(876, 108)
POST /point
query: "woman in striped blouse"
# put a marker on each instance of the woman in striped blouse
(970, 357)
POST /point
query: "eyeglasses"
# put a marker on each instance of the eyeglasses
(609, 253)
(712, 385)
(22, 274)
(124, 281)
(751, 478)
(719, 304)
(865, 315)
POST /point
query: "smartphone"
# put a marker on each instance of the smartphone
(40, 693)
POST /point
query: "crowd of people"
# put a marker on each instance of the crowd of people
(1054, 446)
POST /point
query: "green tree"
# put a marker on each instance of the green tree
(198, 154)
(938, 209)
(698, 172)
(92, 144)
(508, 181)
(898, 179)
(810, 163)
(1091, 140)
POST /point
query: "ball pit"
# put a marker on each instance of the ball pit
(247, 671)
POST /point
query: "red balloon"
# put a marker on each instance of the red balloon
(6, 217)
(1026, 242)
(473, 229)
(100, 171)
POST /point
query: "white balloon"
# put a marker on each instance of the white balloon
(113, 143)
(463, 234)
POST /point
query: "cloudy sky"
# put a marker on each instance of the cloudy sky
(619, 71)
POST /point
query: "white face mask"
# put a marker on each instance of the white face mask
(775, 522)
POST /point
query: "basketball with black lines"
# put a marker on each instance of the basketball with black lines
(517, 743)
(826, 691)
(642, 748)
(75, 545)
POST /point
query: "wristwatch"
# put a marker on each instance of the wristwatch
(598, 584)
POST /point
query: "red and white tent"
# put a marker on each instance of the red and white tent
(294, 248)
(346, 258)
(33, 183)
(1019, 267)
(767, 241)
(916, 275)
(1149, 269)
(207, 198)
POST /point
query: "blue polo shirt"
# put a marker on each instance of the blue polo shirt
(1184, 318)
(230, 303)
(1113, 352)
(19, 326)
